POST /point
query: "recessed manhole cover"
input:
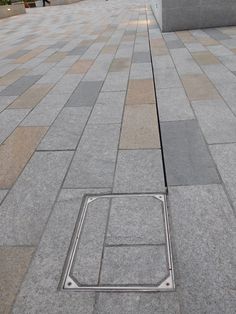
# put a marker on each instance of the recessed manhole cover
(121, 242)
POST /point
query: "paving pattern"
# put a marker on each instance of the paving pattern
(78, 115)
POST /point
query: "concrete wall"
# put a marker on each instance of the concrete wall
(175, 15)
(11, 10)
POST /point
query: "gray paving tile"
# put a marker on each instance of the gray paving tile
(141, 57)
(18, 54)
(20, 86)
(229, 62)
(216, 34)
(88, 257)
(204, 239)
(224, 156)
(133, 265)
(187, 159)
(85, 94)
(167, 78)
(94, 162)
(108, 108)
(5, 101)
(141, 71)
(174, 44)
(9, 120)
(66, 129)
(220, 51)
(135, 220)
(184, 62)
(67, 84)
(39, 292)
(116, 82)
(217, 122)
(139, 171)
(2, 194)
(173, 105)
(25, 210)
(52, 105)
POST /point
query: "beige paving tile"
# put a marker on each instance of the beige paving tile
(16, 151)
(81, 67)
(159, 47)
(198, 87)
(186, 37)
(57, 56)
(234, 50)
(12, 76)
(14, 262)
(32, 54)
(109, 49)
(207, 41)
(128, 38)
(205, 57)
(119, 64)
(31, 97)
(140, 92)
(140, 127)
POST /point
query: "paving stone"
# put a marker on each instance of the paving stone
(108, 108)
(140, 127)
(205, 58)
(31, 97)
(204, 239)
(16, 151)
(18, 54)
(217, 122)
(25, 210)
(162, 62)
(66, 130)
(198, 87)
(141, 71)
(167, 78)
(141, 57)
(39, 291)
(9, 120)
(119, 64)
(88, 257)
(94, 162)
(174, 44)
(12, 76)
(116, 82)
(184, 62)
(196, 47)
(187, 159)
(20, 86)
(52, 104)
(229, 62)
(14, 262)
(85, 94)
(53, 75)
(173, 105)
(139, 171)
(224, 157)
(140, 92)
(216, 34)
(5, 101)
(67, 84)
(81, 67)
(3, 193)
(220, 50)
(56, 57)
(135, 220)
(134, 265)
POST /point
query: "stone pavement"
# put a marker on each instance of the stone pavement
(78, 115)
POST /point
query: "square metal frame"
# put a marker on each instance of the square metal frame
(67, 281)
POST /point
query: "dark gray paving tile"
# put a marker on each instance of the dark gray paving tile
(134, 265)
(20, 86)
(187, 159)
(25, 210)
(203, 232)
(139, 171)
(66, 130)
(94, 162)
(141, 57)
(135, 220)
(85, 94)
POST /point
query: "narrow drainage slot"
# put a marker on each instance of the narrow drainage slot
(121, 242)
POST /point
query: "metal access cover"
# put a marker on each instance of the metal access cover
(121, 242)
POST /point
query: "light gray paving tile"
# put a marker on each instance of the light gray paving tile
(217, 122)
(53, 75)
(9, 120)
(224, 156)
(134, 265)
(167, 78)
(173, 105)
(25, 210)
(219, 75)
(66, 129)
(18, 54)
(187, 159)
(220, 51)
(174, 44)
(39, 292)
(229, 62)
(139, 171)
(94, 162)
(109, 108)
(2, 194)
(6, 68)
(42, 68)
(141, 57)
(5, 101)
(137, 303)
(228, 92)
(85, 94)
(67, 84)
(88, 257)
(216, 34)
(184, 62)
(141, 71)
(135, 220)
(204, 239)
(163, 62)
(195, 47)
(46, 111)
(20, 86)
(116, 81)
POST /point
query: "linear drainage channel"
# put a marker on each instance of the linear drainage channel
(121, 242)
